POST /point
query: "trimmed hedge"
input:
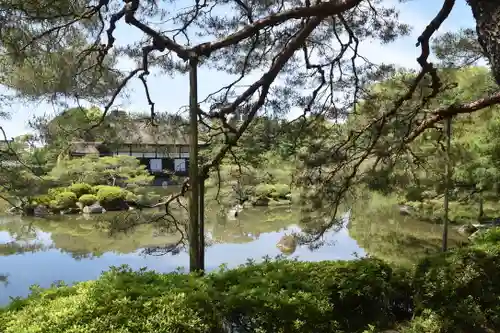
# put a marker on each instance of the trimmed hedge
(88, 199)
(455, 292)
(80, 189)
(112, 197)
(276, 191)
(64, 200)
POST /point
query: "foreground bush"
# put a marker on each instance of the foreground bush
(488, 239)
(456, 292)
(281, 296)
(461, 289)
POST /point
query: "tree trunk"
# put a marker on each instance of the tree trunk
(481, 208)
(194, 223)
(448, 184)
(487, 16)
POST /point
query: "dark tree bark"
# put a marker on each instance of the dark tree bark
(487, 16)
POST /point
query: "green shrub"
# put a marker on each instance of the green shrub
(277, 296)
(56, 190)
(88, 199)
(488, 237)
(64, 200)
(111, 197)
(131, 197)
(96, 188)
(290, 296)
(427, 322)
(280, 191)
(414, 193)
(120, 301)
(456, 292)
(43, 199)
(264, 190)
(80, 189)
(461, 287)
(432, 210)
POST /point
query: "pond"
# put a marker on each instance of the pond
(40, 251)
(71, 249)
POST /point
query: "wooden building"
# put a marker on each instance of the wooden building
(163, 148)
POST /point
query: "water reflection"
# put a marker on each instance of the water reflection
(72, 249)
(385, 233)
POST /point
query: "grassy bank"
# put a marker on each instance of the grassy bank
(366, 295)
(459, 212)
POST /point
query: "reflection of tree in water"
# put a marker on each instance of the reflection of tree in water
(81, 238)
(24, 238)
(83, 242)
(250, 224)
(21, 247)
(18, 229)
(87, 239)
(80, 255)
(172, 249)
(4, 279)
(386, 234)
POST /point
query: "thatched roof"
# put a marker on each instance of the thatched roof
(143, 132)
(84, 148)
(121, 129)
(127, 129)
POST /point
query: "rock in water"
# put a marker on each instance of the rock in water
(40, 211)
(261, 202)
(405, 210)
(94, 209)
(233, 213)
(287, 244)
(467, 230)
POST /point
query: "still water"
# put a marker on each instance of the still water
(40, 251)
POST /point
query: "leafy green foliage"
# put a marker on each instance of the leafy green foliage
(94, 170)
(459, 212)
(64, 200)
(461, 289)
(238, 180)
(22, 166)
(44, 65)
(457, 49)
(416, 171)
(307, 297)
(80, 189)
(488, 238)
(453, 292)
(274, 296)
(88, 199)
(110, 193)
(70, 125)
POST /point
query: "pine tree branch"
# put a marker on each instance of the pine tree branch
(444, 112)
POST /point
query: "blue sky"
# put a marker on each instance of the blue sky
(170, 93)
